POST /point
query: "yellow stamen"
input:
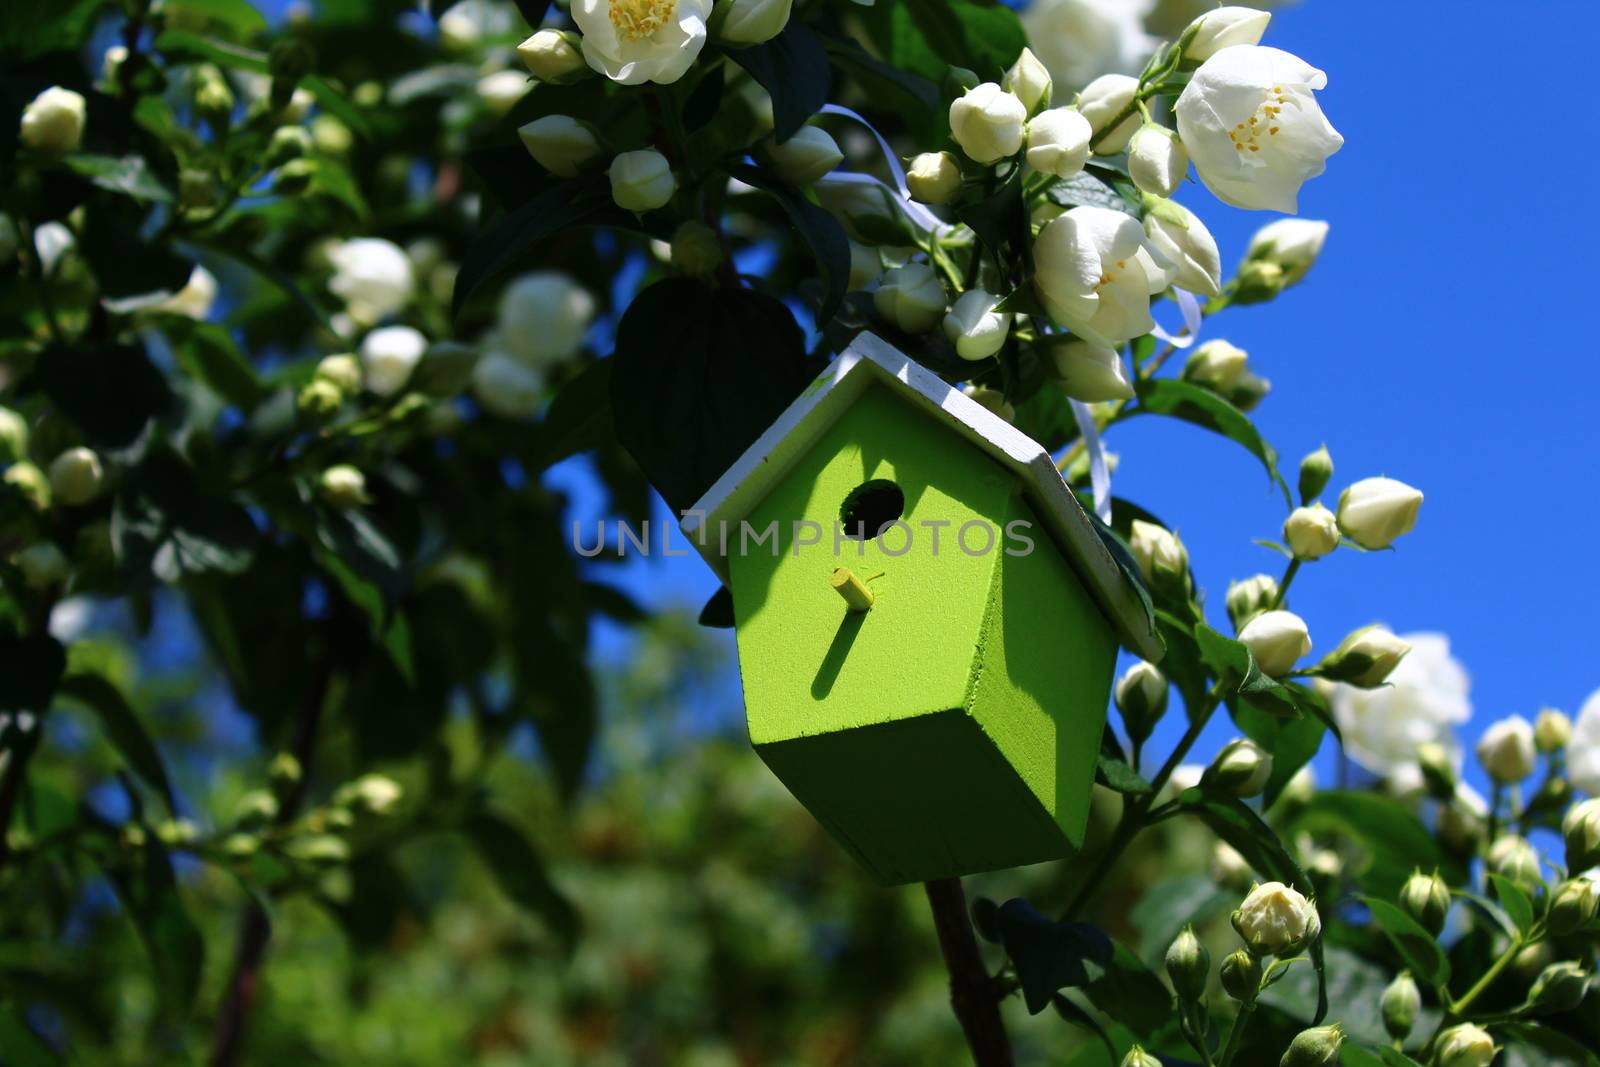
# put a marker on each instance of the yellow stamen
(638, 19)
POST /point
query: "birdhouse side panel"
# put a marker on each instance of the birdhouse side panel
(809, 664)
(1044, 675)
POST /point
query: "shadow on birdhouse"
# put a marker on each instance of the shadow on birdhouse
(927, 621)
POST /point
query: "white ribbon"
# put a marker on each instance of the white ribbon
(1191, 321)
(918, 214)
(1095, 449)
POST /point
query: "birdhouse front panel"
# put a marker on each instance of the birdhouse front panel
(953, 726)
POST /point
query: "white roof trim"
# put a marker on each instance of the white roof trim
(867, 361)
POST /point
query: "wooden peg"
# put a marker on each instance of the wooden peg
(856, 595)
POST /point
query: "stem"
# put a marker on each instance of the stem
(1460, 1007)
(972, 991)
(10, 788)
(1236, 1033)
(1287, 580)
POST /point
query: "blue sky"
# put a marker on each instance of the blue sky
(1442, 340)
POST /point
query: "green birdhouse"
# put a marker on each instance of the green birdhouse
(927, 621)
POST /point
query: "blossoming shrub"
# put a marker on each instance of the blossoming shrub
(297, 316)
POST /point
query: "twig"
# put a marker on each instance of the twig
(972, 990)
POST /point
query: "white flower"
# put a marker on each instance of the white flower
(1242, 768)
(51, 242)
(1183, 240)
(1095, 274)
(1058, 142)
(1366, 657)
(1217, 365)
(1506, 749)
(642, 180)
(1311, 532)
(975, 327)
(1425, 699)
(1163, 560)
(1229, 868)
(1275, 919)
(194, 300)
(1028, 81)
(1225, 26)
(388, 357)
(372, 276)
(1466, 1045)
(1101, 101)
(1277, 639)
(1157, 162)
(506, 386)
(461, 26)
(1078, 40)
(560, 144)
(543, 318)
(934, 177)
(754, 21)
(633, 41)
(501, 90)
(1583, 749)
(910, 297)
(1293, 245)
(53, 121)
(1089, 371)
(1375, 511)
(1253, 127)
(76, 476)
(805, 157)
(988, 123)
(553, 55)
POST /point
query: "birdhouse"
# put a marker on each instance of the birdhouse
(927, 621)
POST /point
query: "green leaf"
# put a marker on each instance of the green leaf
(1515, 900)
(822, 233)
(1049, 955)
(1417, 948)
(579, 418)
(927, 37)
(208, 355)
(914, 98)
(129, 175)
(1116, 774)
(1292, 742)
(150, 895)
(1085, 190)
(124, 263)
(793, 69)
(109, 391)
(1070, 1010)
(1393, 842)
(240, 16)
(1554, 1046)
(165, 522)
(32, 667)
(222, 53)
(122, 728)
(520, 872)
(1396, 1058)
(1167, 906)
(31, 29)
(21, 1047)
(1000, 219)
(1191, 403)
(332, 179)
(1130, 993)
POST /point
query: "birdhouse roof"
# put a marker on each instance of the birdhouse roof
(870, 361)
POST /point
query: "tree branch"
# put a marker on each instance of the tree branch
(972, 990)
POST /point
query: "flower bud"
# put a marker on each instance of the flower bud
(910, 297)
(973, 325)
(343, 487)
(804, 157)
(1580, 830)
(753, 21)
(53, 121)
(934, 177)
(1401, 1002)
(371, 794)
(1101, 101)
(1179, 235)
(554, 56)
(1249, 597)
(342, 371)
(255, 808)
(29, 482)
(1138, 1057)
(1292, 245)
(213, 97)
(1559, 988)
(1426, 899)
(1229, 869)
(331, 136)
(1222, 28)
(294, 178)
(1162, 559)
(1257, 282)
(1366, 657)
(642, 180)
(1157, 160)
(1028, 81)
(501, 90)
(1513, 857)
(288, 142)
(1058, 142)
(1315, 470)
(1466, 1045)
(284, 773)
(992, 400)
(1188, 965)
(1551, 730)
(319, 399)
(988, 123)
(1088, 371)
(13, 436)
(1242, 768)
(696, 251)
(1216, 365)
(1438, 770)
(1375, 511)
(460, 28)
(560, 144)
(241, 846)
(318, 850)
(76, 476)
(1573, 906)
(1312, 531)
(1141, 696)
(43, 565)
(177, 833)
(1277, 639)
(1316, 1047)
(1506, 750)
(1276, 920)
(1241, 976)
(388, 356)
(507, 387)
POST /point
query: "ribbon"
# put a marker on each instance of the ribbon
(1191, 321)
(1095, 449)
(918, 213)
